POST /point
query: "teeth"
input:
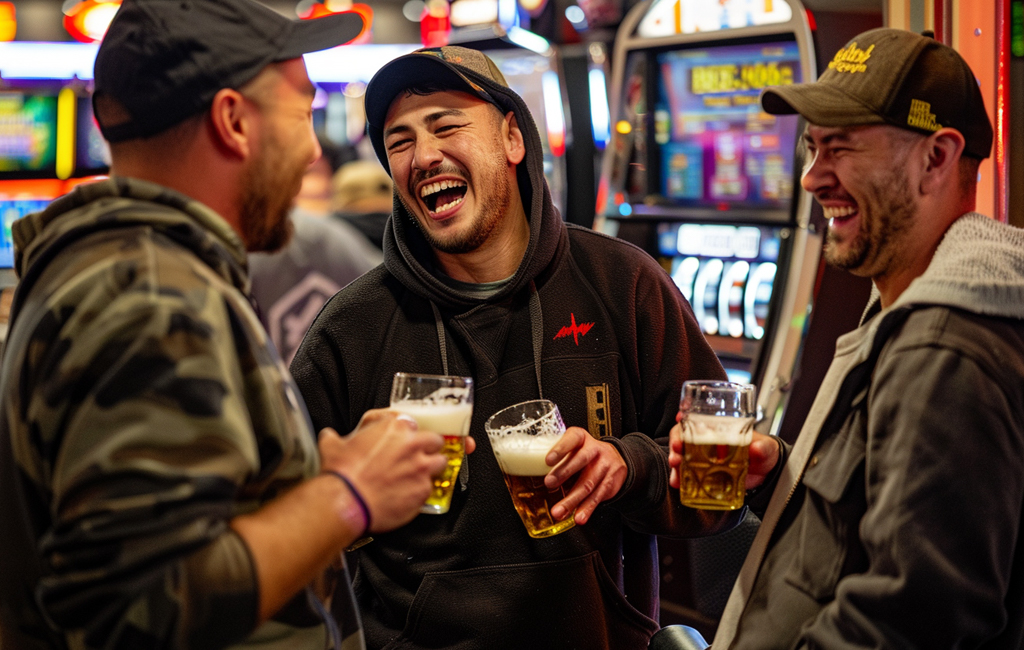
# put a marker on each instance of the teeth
(838, 213)
(434, 188)
(447, 206)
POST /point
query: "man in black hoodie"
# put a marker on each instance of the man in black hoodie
(481, 277)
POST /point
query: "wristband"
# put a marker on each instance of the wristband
(358, 498)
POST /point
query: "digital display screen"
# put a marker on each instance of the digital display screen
(28, 133)
(92, 153)
(11, 211)
(716, 146)
(727, 273)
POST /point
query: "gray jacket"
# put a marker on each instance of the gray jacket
(905, 531)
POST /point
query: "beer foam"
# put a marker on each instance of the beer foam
(523, 455)
(446, 419)
(701, 429)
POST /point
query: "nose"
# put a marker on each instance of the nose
(427, 154)
(818, 174)
(317, 150)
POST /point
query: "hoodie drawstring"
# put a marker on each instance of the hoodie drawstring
(537, 328)
(440, 337)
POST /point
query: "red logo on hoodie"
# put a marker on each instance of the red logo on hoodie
(575, 330)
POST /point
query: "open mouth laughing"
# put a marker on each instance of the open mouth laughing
(443, 196)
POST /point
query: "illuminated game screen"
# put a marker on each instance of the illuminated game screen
(726, 272)
(28, 134)
(717, 148)
(11, 211)
(92, 154)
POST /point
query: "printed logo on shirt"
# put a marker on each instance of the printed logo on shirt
(574, 330)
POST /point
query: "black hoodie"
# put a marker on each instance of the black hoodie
(587, 321)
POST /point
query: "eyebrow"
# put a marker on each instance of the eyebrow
(825, 141)
(429, 119)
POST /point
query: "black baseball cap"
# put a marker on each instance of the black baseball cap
(896, 77)
(164, 60)
(449, 67)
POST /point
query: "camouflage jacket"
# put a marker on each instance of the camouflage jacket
(143, 408)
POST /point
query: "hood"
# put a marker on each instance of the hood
(408, 256)
(119, 202)
(978, 267)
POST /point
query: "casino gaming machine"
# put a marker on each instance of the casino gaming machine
(49, 141)
(698, 175)
(708, 183)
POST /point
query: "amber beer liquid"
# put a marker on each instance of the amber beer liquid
(522, 464)
(715, 460)
(452, 422)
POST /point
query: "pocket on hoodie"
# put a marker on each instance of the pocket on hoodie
(570, 603)
(831, 512)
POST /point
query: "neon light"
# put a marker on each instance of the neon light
(529, 40)
(600, 119)
(670, 17)
(508, 13)
(553, 116)
(352, 63)
(87, 21)
(37, 60)
(318, 10)
(66, 102)
(8, 21)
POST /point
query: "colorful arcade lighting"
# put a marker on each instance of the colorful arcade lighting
(600, 118)
(554, 118)
(8, 21)
(88, 20)
(310, 9)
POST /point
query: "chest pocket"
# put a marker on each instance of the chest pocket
(829, 545)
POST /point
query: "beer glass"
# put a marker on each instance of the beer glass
(521, 437)
(443, 404)
(718, 426)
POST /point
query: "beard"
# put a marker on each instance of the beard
(268, 189)
(489, 214)
(878, 240)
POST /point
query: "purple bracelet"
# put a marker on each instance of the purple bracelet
(358, 497)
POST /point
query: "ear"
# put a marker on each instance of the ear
(232, 123)
(941, 164)
(515, 148)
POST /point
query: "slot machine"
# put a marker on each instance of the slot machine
(49, 140)
(708, 183)
(699, 176)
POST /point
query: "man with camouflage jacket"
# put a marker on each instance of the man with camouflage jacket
(160, 483)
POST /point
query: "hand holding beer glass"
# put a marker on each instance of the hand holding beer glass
(717, 429)
(443, 404)
(521, 437)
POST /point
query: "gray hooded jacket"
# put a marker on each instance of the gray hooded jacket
(905, 529)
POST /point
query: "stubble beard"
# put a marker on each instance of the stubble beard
(268, 190)
(492, 210)
(879, 239)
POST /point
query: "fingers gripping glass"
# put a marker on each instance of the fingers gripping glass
(442, 404)
(521, 437)
(718, 426)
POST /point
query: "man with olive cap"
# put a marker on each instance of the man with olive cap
(160, 482)
(896, 520)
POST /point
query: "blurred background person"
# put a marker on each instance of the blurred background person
(363, 196)
(291, 285)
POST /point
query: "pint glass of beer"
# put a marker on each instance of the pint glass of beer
(718, 426)
(521, 436)
(443, 404)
